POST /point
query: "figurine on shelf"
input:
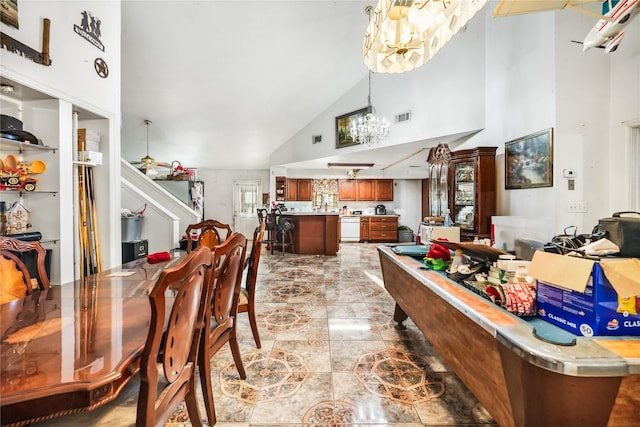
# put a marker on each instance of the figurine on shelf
(16, 175)
(17, 219)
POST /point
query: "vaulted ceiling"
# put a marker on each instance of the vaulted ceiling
(227, 82)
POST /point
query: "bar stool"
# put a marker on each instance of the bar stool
(284, 238)
(271, 221)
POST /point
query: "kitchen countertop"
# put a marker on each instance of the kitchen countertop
(296, 213)
(369, 215)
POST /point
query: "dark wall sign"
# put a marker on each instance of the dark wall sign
(89, 29)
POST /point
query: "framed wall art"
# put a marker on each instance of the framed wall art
(343, 125)
(529, 161)
(9, 12)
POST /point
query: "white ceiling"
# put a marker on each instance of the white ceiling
(227, 82)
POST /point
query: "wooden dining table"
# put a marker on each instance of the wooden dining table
(73, 347)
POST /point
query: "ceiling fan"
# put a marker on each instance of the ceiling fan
(147, 161)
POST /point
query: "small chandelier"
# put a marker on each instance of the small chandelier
(405, 34)
(369, 129)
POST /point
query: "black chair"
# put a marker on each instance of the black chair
(271, 222)
(284, 238)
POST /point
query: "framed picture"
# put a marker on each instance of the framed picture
(9, 12)
(529, 161)
(343, 125)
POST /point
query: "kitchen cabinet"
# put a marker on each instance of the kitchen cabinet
(383, 190)
(383, 228)
(298, 190)
(364, 229)
(51, 120)
(347, 190)
(365, 191)
(305, 190)
(291, 190)
(472, 191)
(281, 185)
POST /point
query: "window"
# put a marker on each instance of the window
(247, 197)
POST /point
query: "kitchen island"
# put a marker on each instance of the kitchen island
(315, 233)
(522, 380)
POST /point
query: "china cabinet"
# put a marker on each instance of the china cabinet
(437, 185)
(472, 191)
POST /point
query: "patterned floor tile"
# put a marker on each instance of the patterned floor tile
(353, 329)
(331, 356)
(400, 376)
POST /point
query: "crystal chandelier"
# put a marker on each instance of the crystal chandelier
(405, 34)
(369, 129)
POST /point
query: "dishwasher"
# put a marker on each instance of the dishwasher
(350, 229)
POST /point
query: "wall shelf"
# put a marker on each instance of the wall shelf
(20, 147)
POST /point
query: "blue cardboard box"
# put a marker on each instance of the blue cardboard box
(585, 297)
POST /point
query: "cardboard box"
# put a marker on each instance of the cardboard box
(88, 140)
(588, 297)
(92, 157)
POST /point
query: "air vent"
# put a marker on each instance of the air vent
(403, 117)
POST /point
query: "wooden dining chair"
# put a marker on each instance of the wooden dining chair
(15, 280)
(175, 349)
(221, 314)
(246, 303)
(210, 233)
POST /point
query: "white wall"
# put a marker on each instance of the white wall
(218, 190)
(71, 74)
(512, 77)
(71, 77)
(447, 97)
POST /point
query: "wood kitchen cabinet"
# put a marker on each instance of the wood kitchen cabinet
(365, 190)
(472, 191)
(347, 190)
(305, 190)
(383, 190)
(292, 190)
(364, 229)
(299, 189)
(281, 186)
(383, 228)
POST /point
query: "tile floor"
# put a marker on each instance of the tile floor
(330, 357)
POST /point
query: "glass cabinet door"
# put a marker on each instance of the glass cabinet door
(464, 197)
(438, 193)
